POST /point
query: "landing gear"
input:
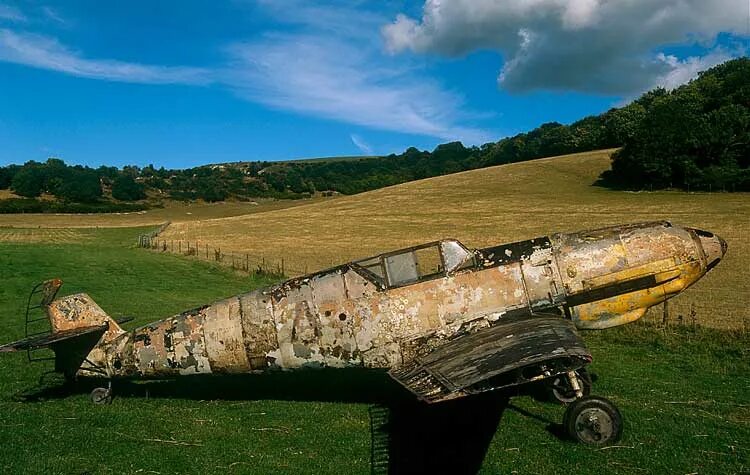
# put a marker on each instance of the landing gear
(102, 395)
(566, 388)
(593, 420)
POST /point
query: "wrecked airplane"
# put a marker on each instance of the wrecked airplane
(444, 320)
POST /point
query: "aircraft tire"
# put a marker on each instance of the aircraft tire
(593, 420)
(101, 396)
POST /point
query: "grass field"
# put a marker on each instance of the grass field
(53, 235)
(685, 395)
(172, 211)
(495, 205)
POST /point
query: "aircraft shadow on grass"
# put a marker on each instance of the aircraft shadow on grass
(407, 436)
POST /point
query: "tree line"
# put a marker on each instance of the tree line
(696, 136)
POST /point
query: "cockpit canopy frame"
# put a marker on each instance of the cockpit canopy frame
(417, 263)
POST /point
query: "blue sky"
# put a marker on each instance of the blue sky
(183, 83)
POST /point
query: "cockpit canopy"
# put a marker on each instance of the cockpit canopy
(418, 263)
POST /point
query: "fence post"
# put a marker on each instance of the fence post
(665, 313)
(693, 316)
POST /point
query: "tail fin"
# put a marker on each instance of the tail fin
(77, 325)
(76, 311)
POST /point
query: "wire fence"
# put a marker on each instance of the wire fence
(243, 262)
(691, 310)
(144, 240)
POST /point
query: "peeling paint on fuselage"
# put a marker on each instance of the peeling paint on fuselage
(345, 317)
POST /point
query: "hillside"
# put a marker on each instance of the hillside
(694, 137)
(492, 205)
(174, 211)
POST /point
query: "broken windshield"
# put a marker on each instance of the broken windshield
(416, 264)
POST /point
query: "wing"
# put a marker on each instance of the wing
(505, 354)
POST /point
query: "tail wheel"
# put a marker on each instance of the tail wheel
(593, 421)
(560, 390)
(101, 396)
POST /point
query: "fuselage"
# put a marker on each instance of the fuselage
(381, 311)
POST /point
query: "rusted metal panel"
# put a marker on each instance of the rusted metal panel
(74, 311)
(339, 322)
(513, 252)
(259, 330)
(541, 279)
(644, 245)
(175, 346)
(224, 337)
(581, 256)
(365, 319)
(297, 325)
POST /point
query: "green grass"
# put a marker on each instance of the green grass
(685, 394)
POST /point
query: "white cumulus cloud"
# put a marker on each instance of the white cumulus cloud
(681, 71)
(587, 45)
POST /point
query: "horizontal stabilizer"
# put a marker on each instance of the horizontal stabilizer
(51, 339)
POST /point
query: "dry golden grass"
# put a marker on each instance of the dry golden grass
(494, 205)
(31, 235)
(173, 211)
